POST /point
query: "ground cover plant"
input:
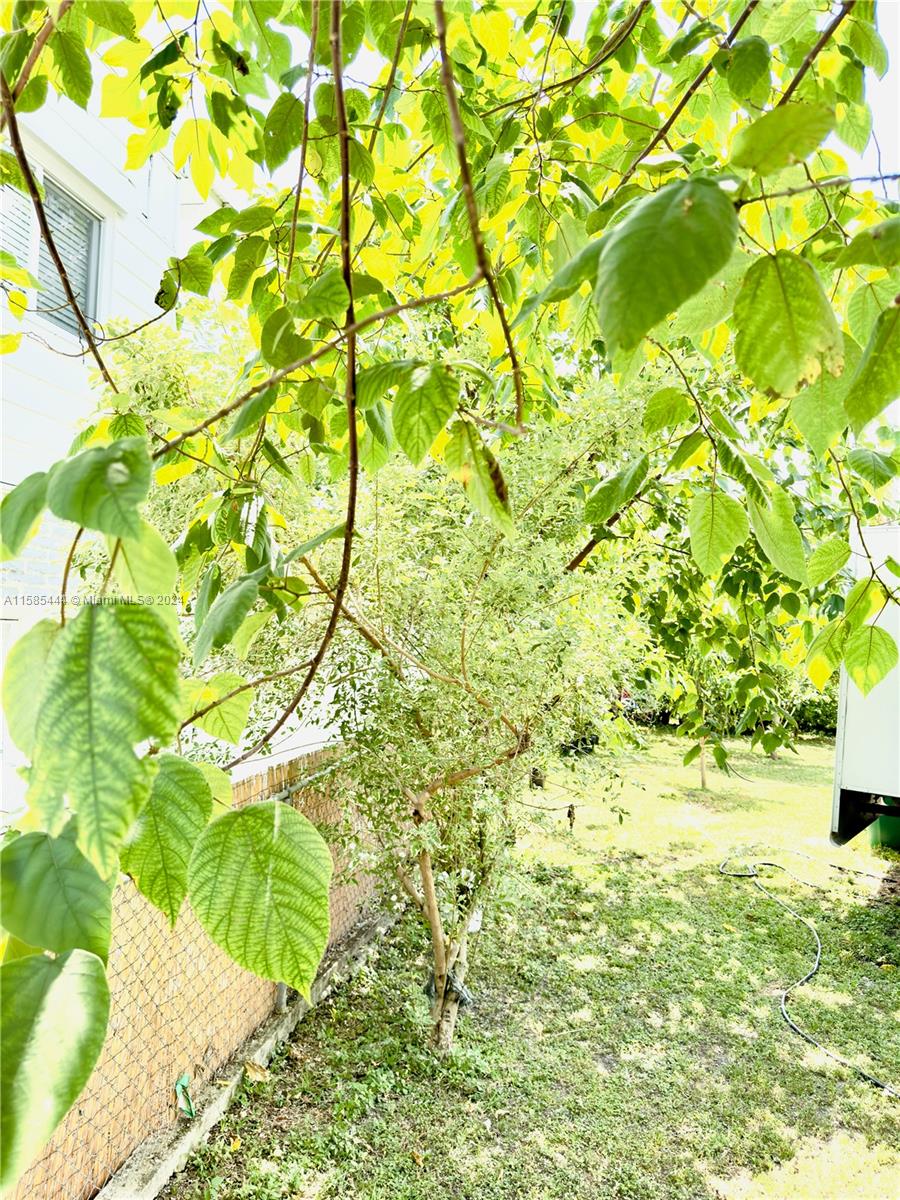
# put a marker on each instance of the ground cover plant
(630, 1046)
(448, 256)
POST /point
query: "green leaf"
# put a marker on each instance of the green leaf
(326, 298)
(114, 15)
(689, 445)
(225, 616)
(166, 57)
(470, 461)
(869, 655)
(422, 408)
(876, 382)
(818, 412)
(228, 719)
(785, 135)
(251, 413)
(25, 665)
(862, 602)
(54, 1013)
(869, 300)
(52, 897)
(666, 408)
(279, 341)
(259, 879)
(73, 64)
(786, 330)
(778, 535)
(101, 488)
(868, 45)
(690, 39)
(660, 255)
(748, 63)
(854, 125)
(824, 655)
(283, 130)
(19, 512)
(714, 302)
(145, 568)
(336, 531)
(11, 175)
(195, 273)
(373, 383)
(111, 682)
(219, 782)
(158, 848)
(33, 96)
(826, 560)
(362, 166)
(567, 280)
(612, 494)
(877, 469)
(879, 246)
(126, 425)
(248, 258)
(718, 525)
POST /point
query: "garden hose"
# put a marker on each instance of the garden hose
(752, 872)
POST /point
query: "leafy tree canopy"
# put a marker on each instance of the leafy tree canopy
(448, 229)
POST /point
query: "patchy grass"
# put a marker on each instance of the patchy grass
(626, 1041)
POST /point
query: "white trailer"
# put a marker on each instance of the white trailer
(867, 751)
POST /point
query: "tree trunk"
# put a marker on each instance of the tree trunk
(445, 1007)
(703, 764)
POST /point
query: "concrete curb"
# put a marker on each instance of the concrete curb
(160, 1156)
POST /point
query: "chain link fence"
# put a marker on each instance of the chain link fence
(179, 1005)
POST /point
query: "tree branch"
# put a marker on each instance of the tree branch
(347, 332)
(613, 43)
(392, 75)
(34, 54)
(698, 81)
(349, 394)
(815, 185)
(304, 141)
(244, 687)
(465, 176)
(820, 45)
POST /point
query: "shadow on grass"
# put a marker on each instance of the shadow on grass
(625, 1043)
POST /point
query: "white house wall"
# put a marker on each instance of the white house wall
(45, 395)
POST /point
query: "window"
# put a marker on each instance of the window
(76, 232)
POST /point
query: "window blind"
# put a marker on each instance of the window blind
(75, 231)
(15, 225)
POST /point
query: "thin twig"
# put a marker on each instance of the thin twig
(820, 45)
(65, 579)
(611, 46)
(816, 185)
(465, 177)
(392, 75)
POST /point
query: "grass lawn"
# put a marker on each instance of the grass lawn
(626, 1040)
